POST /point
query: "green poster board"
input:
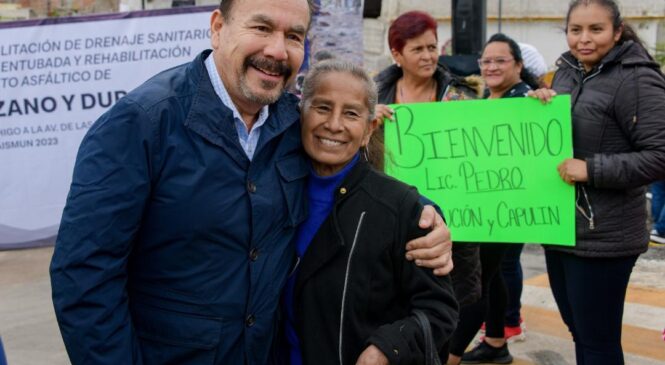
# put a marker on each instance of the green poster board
(490, 165)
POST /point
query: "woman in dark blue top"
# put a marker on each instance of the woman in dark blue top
(502, 68)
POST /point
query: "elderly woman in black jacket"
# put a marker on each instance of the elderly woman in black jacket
(618, 112)
(354, 293)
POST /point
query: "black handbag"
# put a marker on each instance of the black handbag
(431, 354)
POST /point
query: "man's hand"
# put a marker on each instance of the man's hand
(372, 356)
(434, 250)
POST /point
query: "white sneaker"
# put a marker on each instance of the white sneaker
(656, 237)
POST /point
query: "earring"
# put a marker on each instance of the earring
(398, 65)
(366, 153)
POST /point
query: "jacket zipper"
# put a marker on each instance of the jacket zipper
(584, 79)
(590, 216)
(600, 68)
(346, 282)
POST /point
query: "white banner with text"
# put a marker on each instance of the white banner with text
(55, 81)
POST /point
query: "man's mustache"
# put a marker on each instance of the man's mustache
(267, 64)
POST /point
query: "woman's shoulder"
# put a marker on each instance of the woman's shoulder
(471, 86)
(389, 190)
(388, 76)
(518, 90)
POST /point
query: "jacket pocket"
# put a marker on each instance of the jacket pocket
(168, 337)
(293, 172)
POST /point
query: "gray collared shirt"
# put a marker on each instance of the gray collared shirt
(248, 139)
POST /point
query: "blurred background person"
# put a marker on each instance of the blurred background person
(534, 62)
(3, 359)
(658, 212)
(502, 68)
(511, 267)
(618, 109)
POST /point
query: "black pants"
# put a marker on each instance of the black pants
(511, 270)
(590, 294)
(471, 317)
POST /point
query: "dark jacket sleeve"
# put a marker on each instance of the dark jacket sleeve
(402, 341)
(639, 108)
(109, 190)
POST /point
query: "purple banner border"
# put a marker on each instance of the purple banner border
(105, 16)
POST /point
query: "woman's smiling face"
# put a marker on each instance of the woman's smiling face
(335, 122)
(498, 67)
(590, 34)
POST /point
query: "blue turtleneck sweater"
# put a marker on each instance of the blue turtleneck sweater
(321, 197)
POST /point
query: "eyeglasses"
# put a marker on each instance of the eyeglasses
(499, 62)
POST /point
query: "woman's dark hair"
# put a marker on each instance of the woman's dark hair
(611, 6)
(409, 25)
(526, 75)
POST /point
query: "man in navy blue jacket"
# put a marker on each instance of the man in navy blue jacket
(176, 238)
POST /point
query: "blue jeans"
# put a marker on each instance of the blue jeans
(658, 206)
(3, 359)
(590, 294)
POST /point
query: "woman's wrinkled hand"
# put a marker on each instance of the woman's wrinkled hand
(545, 95)
(383, 111)
(372, 356)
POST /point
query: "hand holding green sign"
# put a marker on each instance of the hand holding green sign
(490, 165)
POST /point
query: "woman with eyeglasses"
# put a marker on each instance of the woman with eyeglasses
(502, 68)
(618, 115)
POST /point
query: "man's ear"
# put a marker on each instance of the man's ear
(216, 24)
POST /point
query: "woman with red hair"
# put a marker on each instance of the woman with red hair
(417, 77)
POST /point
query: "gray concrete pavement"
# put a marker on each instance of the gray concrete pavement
(31, 336)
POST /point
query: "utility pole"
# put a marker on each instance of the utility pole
(500, 12)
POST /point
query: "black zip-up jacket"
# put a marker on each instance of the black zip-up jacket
(618, 113)
(355, 286)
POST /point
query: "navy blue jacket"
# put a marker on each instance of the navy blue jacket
(156, 261)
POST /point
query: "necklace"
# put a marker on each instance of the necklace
(402, 99)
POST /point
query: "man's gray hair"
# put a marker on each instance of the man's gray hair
(320, 69)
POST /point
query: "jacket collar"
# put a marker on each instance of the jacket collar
(330, 232)
(387, 82)
(211, 119)
(352, 181)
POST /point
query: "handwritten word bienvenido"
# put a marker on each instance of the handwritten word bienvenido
(495, 140)
(490, 165)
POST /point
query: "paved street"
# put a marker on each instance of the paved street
(31, 337)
